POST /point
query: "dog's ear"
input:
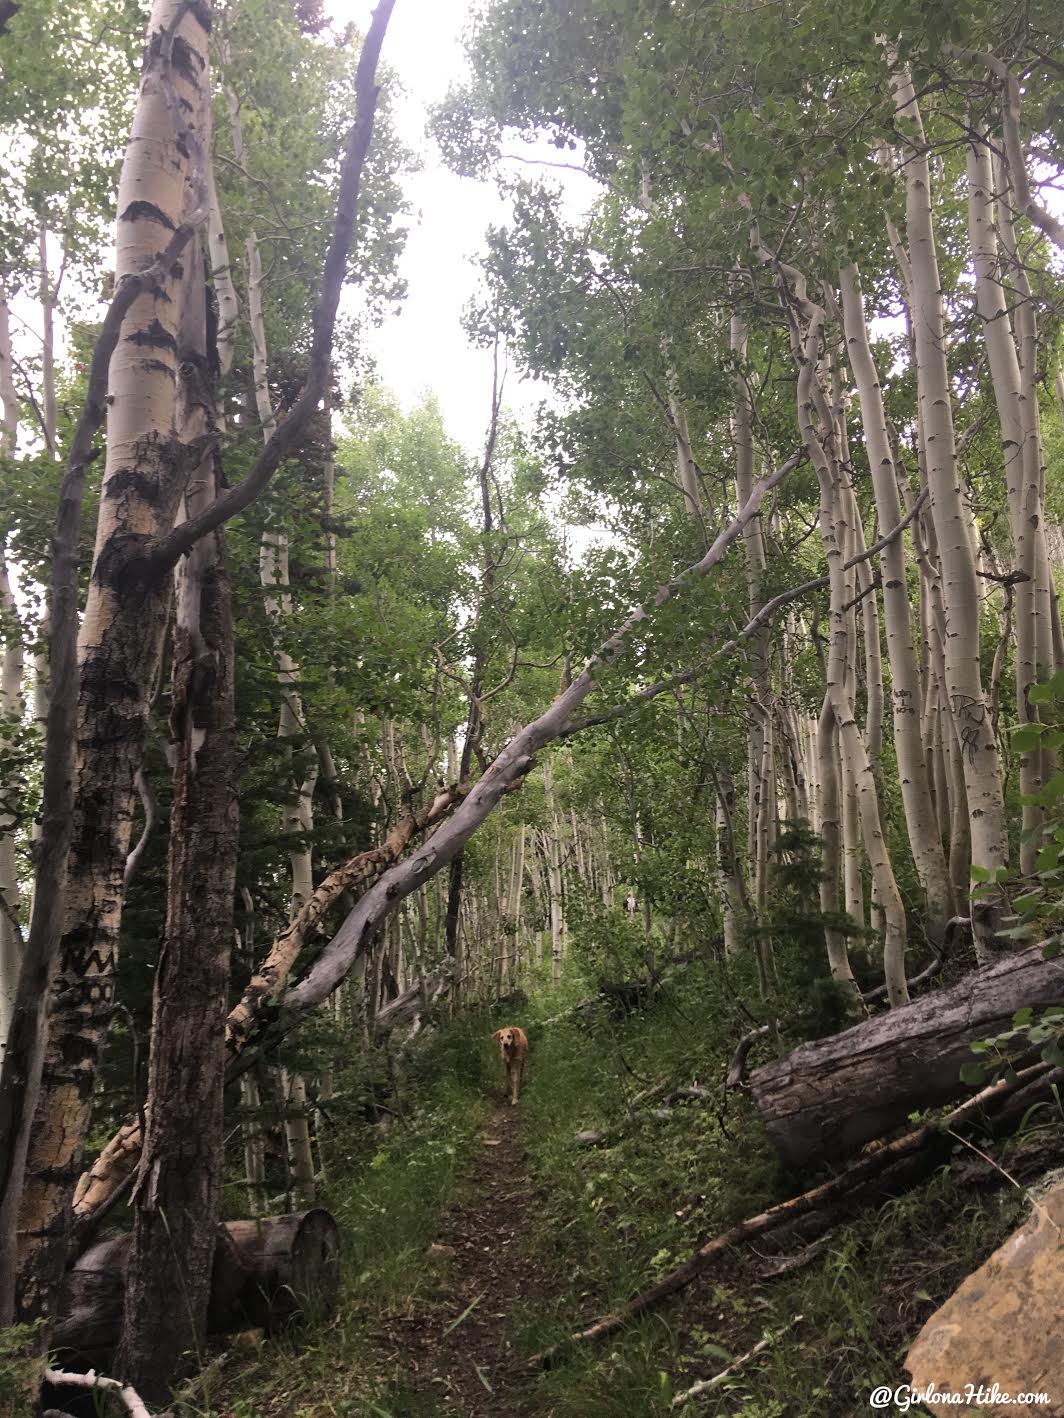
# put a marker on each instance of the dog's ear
(497, 1034)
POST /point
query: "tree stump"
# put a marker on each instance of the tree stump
(292, 1265)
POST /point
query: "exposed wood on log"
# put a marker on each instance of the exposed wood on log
(265, 1273)
(827, 1097)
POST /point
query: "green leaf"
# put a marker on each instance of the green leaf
(1026, 736)
(973, 1074)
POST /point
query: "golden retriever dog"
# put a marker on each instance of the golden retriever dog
(513, 1049)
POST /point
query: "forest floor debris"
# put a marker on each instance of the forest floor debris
(458, 1344)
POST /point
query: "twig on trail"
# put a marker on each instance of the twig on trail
(704, 1385)
(129, 1396)
(467, 1311)
(830, 1191)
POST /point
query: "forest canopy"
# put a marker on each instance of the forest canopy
(319, 732)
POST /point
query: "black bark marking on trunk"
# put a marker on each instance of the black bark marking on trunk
(155, 336)
(186, 61)
(146, 212)
(156, 366)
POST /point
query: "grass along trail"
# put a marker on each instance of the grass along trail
(457, 1347)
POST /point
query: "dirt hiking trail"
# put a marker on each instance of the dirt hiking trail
(457, 1346)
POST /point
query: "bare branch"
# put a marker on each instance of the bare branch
(287, 434)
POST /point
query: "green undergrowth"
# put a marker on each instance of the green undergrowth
(610, 1221)
(618, 1217)
(387, 1191)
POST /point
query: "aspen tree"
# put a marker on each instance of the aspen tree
(966, 703)
(11, 708)
(178, 1194)
(906, 695)
(122, 627)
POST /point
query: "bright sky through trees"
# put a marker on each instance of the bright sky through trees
(424, 346)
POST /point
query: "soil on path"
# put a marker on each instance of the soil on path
(458, 1345)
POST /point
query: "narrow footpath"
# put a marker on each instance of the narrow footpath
(457, 1347)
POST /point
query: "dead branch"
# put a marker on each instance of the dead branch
(841, 1186)
(704, 1385)
(129, 1397)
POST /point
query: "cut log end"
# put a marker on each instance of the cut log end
(266, 1273)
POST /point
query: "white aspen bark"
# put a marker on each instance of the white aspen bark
(852, 881)
(754, 551)
(685, 461)
(8, 394)
(254, 1151)
(120, 635)
(221, 273)
(808, 727)
(906, 690)
(831, 834)
(873, 655)
(552, 844)
(960, 840)
(11, 707)
(46, 295)
(1016, 397)
(967, 704)
(811, 410)
(1030, 536)
(297, 1137)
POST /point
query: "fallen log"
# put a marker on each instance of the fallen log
(908, 1158)
(265, 1273)
(828, 1097)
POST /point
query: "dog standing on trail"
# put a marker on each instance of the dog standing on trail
(513, 1049)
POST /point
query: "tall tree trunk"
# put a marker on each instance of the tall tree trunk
(967, 704)
(1016, 397)
(11, 707)
(178, 1193)
(46, 297)
(906, 690)
(121, 633)
(9, 409)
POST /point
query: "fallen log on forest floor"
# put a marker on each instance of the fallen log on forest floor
(265, 1273)
(880, 1174)
(826, 1098)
